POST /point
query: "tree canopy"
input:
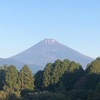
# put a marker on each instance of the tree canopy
(61, 80)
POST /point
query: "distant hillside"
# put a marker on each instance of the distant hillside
(11, 62)
(19, 64)
(49, 50)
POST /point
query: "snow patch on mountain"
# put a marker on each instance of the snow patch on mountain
(49, 41)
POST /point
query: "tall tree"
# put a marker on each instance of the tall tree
(93, 74)
(11, 78)
(53, 73)
(72, 75)
(38, 80)
(26, 78)
(47, 75)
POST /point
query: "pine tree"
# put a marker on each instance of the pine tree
(47, 75)
(26, 78)
(11, 78)
(52, 73)
(39, 80)
(93, 74)
(72, 75)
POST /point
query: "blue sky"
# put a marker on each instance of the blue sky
(75, 23)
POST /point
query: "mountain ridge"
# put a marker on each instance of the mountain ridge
(49, 50)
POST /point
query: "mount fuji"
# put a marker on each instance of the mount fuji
(47, 50)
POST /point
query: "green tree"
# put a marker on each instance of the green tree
(38, 80)
(52, 73)
(72, 75)
(26, 78)
(11, 78)
(92, 74)
(47, 75)
(94, 67)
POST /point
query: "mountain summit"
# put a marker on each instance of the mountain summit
(49, 41)
(49, 50)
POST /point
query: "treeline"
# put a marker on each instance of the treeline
(61, 80)
(12, 82)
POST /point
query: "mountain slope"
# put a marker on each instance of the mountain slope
(11, 62)
(49, 50)
(19, 64)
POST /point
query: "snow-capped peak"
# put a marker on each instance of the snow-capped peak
(49, 41)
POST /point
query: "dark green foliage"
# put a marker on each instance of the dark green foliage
(94, 67)
(47, 96)
(11, 78)
(52, 73)
(47, 75)
(25, 93)
(61, 88)
(93, 74)
(93, 95)
(2, 77)
(78, 95)
(11, 82)
(14, 97)
(38, 80)
(26, 78)
(61, 80)
(72, 75)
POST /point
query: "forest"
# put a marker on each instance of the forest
(61, 80)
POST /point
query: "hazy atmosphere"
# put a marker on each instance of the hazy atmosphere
(74, 23)
(50, 50)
